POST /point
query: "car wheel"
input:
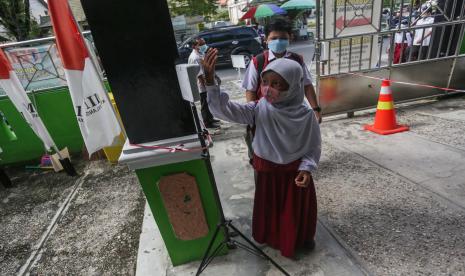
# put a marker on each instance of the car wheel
(247, 58)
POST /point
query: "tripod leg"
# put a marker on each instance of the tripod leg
(210, 245)
(259, 250)
(212, 256)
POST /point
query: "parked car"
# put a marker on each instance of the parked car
(232, 40)
(219, 24)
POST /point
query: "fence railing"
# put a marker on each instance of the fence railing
(352, 36)
(37, 62)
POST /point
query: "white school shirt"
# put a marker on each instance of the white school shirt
(196, 58)
(404, 36)
(419, 32)
(250, 81)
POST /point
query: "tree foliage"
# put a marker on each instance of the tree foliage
(15, 17)
(192, 7)
(222, 15)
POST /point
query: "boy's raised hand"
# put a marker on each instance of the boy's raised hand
(208, 64)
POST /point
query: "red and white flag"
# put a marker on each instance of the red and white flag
(15, 91)
(96, 117)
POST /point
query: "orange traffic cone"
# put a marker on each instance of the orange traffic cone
(385, 118)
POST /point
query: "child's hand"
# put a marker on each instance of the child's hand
(303, 179)
(209, 63)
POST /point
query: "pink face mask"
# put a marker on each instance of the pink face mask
(272, 95)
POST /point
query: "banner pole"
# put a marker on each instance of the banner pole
(65, 162)
(4, 179)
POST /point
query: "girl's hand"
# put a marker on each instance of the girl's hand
(208, 64)
(303, 179)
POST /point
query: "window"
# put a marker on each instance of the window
(217, 37)
(244, 33)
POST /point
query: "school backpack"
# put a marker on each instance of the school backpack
(261, 61)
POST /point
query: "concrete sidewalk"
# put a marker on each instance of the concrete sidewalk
(235, 182)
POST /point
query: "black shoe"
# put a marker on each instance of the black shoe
(215, 121)
(212, 125)
(310, 245)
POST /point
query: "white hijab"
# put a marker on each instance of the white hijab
(285, 131)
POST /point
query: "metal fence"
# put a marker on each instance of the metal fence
(37, 62)
(359, 41)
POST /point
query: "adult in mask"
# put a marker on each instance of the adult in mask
(286, 148)
(278, 33)
(199, 48)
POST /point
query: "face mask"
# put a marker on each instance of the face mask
(273, 95)
(203, 49)
(278, 46)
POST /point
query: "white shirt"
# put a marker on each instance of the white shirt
(250, 81)
(419, 32)
(405, 37)
(196, 58)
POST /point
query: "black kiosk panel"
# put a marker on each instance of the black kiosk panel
(137, 48)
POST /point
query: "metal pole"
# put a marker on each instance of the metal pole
(4, 179)
(32, 41)
(318, 48)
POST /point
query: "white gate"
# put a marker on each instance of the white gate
(356, 47)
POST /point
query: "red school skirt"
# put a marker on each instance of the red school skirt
(284, 215)
(399, 50)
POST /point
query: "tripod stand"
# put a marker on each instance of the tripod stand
(224, 225)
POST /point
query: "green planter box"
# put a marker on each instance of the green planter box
(56, 110)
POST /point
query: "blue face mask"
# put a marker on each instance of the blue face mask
(278, 46)
(203, 49)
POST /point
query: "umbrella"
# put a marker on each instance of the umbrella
(299, 5)
(267, 10)
(249, 14)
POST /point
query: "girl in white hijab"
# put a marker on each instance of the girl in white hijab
(287, 147)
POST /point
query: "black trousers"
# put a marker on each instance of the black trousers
(416, 49)
(207, 116)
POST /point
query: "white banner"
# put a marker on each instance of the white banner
(95, 115)
(18, 96)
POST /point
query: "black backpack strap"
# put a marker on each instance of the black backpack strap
(296, 57)
(260, 63)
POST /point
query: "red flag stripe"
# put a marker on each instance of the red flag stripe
(5, 66)
(69, 41)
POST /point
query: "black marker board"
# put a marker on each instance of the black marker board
(136, 45)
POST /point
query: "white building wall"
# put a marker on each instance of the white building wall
(3, 31)
(37, 9)
(77, 10)
(235, 10)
